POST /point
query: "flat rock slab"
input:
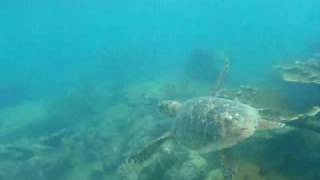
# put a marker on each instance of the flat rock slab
(306, 72)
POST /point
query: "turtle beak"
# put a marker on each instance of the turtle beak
(169, 107)
(165, 107)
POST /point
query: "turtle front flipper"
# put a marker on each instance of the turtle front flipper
(149, 149)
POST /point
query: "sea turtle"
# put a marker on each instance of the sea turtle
(208, 124)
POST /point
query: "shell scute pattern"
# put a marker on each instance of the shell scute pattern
(210, 122)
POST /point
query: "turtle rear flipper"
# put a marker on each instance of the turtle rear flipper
(149, 149)
(308, 120)
(305, 121)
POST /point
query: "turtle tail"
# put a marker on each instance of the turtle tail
(148, 150)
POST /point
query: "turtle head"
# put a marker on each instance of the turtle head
(169, 107)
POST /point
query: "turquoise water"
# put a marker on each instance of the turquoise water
(80, 83)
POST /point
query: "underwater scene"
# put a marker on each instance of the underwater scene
(160, 90)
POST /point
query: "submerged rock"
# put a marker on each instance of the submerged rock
(214, 174)
(55, 139)
(306, 72)
(195, 167)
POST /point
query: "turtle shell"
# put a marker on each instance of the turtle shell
(206, 124)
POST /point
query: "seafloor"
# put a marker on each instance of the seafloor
(89, 133)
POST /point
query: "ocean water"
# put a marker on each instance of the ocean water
(80, 83)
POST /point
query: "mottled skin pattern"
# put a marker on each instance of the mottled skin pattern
(207, 124)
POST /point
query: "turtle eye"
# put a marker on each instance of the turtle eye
(162, 104)
(163, 107)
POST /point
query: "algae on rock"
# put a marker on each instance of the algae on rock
(306, 72)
